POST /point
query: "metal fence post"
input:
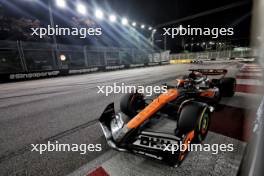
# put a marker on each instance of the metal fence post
(85, 56)
(119, 58)
(105, 61)
(133, 55)
(119, 55)
(54, 61)
(21, 56)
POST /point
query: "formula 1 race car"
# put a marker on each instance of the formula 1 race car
(180, 116)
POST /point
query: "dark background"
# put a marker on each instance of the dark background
(17, 16)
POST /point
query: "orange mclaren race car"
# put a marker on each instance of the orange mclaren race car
(180, 116)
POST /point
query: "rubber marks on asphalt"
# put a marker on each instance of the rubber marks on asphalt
(98, 172)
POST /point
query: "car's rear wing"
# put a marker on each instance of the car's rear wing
(210, 71)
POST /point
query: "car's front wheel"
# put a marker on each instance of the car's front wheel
(131, 103)
(194, 116)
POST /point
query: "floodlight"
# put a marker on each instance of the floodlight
(81, 8)
(134, 24)
(62, 57)
(99, 14)
(61, 3)
(112, 18)
(124, 21)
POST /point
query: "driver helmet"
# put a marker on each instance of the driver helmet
(194, 75)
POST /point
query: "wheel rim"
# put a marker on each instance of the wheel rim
(204, 124)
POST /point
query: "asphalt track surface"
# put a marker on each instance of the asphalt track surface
(66, 109)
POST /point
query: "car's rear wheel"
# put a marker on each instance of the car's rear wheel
(131, 103)
(227, 87)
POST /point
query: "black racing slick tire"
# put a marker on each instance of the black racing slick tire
(194, 116)
(131, 103)
(227, 87)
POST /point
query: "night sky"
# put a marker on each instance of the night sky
(150, 12)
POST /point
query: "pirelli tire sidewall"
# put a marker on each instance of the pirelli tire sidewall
(202, 125)
(194, 116)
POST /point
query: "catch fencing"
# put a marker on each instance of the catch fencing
(27, 57)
